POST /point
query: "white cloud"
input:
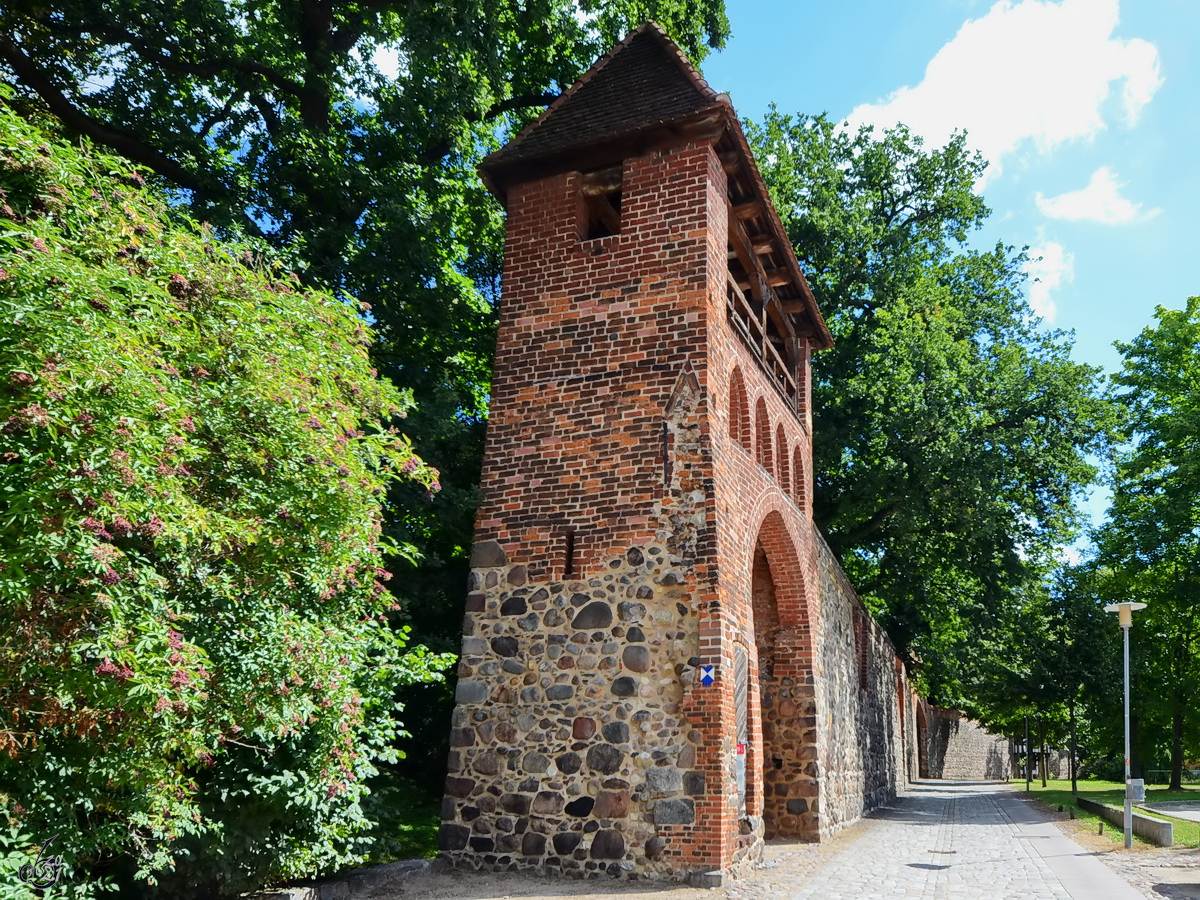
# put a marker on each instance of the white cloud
(1049, 266)
(1100, 201)
(1033, 71)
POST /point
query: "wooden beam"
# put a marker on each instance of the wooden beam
(779, 277)
(750, 210)
(604, 181)
(763, 244)
(744, 247)
(601, 208)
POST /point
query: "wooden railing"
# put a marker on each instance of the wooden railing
(752, 327)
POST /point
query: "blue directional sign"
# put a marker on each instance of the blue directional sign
(708, 674)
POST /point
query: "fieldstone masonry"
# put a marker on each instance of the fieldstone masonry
(662, 663)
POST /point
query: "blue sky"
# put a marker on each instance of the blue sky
(1087, 110)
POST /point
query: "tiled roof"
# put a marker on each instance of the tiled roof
(645, 80)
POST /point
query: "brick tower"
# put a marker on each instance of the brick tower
(637, 690)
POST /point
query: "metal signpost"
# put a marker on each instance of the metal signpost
(1125, 613)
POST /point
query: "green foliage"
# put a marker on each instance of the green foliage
(951, 429)
(196, 669)
(1149, 549)
(348, 134)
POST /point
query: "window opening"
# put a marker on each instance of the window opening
(601, 202)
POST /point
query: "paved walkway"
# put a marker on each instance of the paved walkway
(941, 841)
(975, 841)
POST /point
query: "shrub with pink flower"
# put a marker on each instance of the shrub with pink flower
(188, 623)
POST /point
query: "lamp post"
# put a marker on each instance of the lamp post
(1125, 619)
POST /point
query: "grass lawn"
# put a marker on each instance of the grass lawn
(1058, 793)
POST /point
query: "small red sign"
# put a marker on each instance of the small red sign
(741, 750)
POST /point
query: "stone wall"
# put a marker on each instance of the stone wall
(861, 702)
(957, 748)
(571, 751)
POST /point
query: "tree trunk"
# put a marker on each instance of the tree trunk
(1042, 742)
(1177, 748)
(1074, 786)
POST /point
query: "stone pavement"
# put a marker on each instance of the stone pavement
(975, 841)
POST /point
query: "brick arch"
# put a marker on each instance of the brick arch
(787, 700)
(739, 410)
(762, 435)
(781, 454)
(799, 483)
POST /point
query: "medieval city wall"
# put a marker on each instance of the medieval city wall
(958, 748)
(861, 703)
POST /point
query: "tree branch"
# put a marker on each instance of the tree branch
(127, 145)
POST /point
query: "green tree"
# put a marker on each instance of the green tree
(347, 134)
(1152, 536)
(952, 429)
(196, 669)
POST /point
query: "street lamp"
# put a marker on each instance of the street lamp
(1125, 614)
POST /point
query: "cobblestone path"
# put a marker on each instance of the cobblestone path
(945, 841)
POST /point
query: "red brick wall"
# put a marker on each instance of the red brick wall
(591, 341)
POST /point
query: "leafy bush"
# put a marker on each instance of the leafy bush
(196, 667)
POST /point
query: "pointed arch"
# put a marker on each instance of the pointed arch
(739, 410)
(799, 476)
(781, 454)
(762, 436)
(787, 700)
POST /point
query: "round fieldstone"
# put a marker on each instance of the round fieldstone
(454, 837)
(473, 646)
(471, 692)
(655, 846)
(594, 615)
(636, 658)
(569, 763)
(505, 646)
(533, 844)
(517, 575)
(536, 763)
(634, 556)
(554, 618)
(529, 622)
(560, 692)
(629, 611)
(581, 807)
(608, 844)
(616, 732)
(605, 758)
(565, 842)
(635, 635)
(518, 804)
(624, 686)
(487, 763)
(611, 805)
(514, 606)
(583, 728)
(512, 667)
(547, 803)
